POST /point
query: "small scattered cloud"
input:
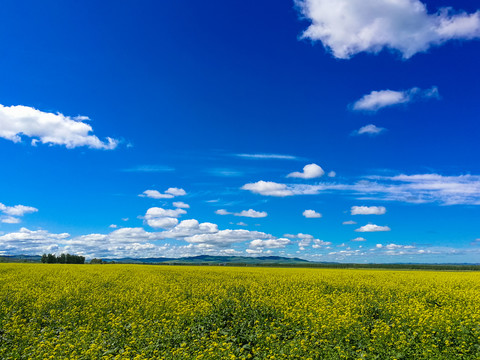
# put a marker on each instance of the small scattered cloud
(270, 188)
(168, 194)
(370, 129)
(241, 223)
(310, 171)
(113, 226)
(332, 174)
(368, 210)
(372, 228)
(180, 204)
(49, 128)
(377, 100)
(268, 156)
(359, 239)
(252, 213)
(311, 214)
(222, 212)
(349, 222)
(349, 27)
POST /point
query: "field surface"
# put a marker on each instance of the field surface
(168, 312)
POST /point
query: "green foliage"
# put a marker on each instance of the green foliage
(62, 259)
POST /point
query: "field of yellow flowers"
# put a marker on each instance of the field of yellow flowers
(169, 312)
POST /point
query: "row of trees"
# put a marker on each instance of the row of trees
(63, 259)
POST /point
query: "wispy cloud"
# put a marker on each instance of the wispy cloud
(268, 156)
(377, 100)
(420, 188)
(49, 128)
(149, 169)
(348, 27)
(368, 210)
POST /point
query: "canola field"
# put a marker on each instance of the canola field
(169, 312)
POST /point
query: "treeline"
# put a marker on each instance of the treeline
(62, 259)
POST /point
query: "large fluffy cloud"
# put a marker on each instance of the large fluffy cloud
(310, 171)
(348, 27)
(224, 238)
(269, 244)
(377, 100)
(49, 128)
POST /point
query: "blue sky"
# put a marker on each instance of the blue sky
(339, 130)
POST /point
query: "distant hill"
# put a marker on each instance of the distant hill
(209, 259)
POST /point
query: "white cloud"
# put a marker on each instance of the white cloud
(224, 238)
(188, 228)
(155, 194)
(14, 212)
(176, 191)
(332, 174)
(112, 226)
(311, 214)
(269, 244)
(369, 130)
(377, 100)
(157, 217)
(241, 223)
(252, 213)
(168, 194)
(310, 171)
(270, 188)
(348, 27)
(368, 210)
(222, 212)
(357, 239)
(49, 128)
(372, 228)
(180, 204)
(31, 242)
(268, 156)
(317, 243)
(349, 222)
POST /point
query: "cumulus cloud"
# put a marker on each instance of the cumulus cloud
(187, 228)
(370, 129)
(180, 204)
(348, 27)
(332, 174)
(368, 210)
(372, 228)
(168, 194)
(222, 212)
(349, 222)
(377, 100)
(31, 242)
(311, 214)
(269, 244)
(157, 217)
(49, 128)
(12, 213)
(252, 213)
(224, 238)
(310, 171)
